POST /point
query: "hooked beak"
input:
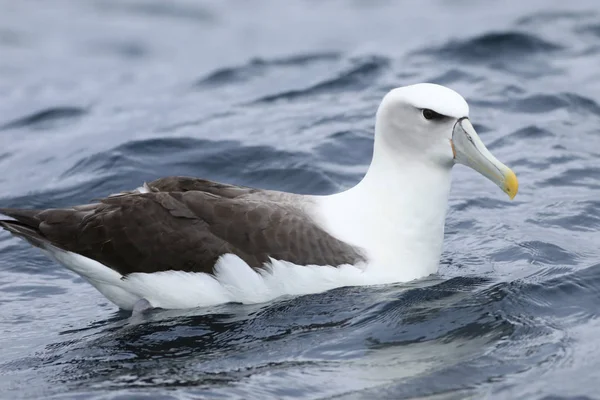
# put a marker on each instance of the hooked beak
(469, 150)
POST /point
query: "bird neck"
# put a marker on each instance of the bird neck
(396, 213)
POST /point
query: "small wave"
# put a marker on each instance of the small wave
(581, 177)
(592, 29)
(529, 132)
(45, 118)
(5, 156)
(362, 73)
(495, 46)
(142, 152)
(347, 148)
(569, 294)
(123, 49)
(484, 203)
(10, 38)
(546, 163)
(585, 217)
(307, 179)
(161, 146)
(455, 75)
(548, 253)
(259, 66)
(536, 252)
(541, 103)
(430, 315)
(127, 166)
(159, 9)
(412, 299)
(547, 17)
(545, 103)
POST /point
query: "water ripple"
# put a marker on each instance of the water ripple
(582, 176)
(513, 311)
(584, 216)
(158, 9)
(259, 66)
(541, 103)
(45, 119)
(362, 73)
(528, 132)
(495, 46)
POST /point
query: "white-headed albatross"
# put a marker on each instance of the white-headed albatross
(181, 242)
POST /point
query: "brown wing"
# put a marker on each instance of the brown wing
(187, 184)
(184, 230)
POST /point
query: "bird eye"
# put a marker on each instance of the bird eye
(430, 114)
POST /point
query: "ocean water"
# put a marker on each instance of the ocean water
(98, 96)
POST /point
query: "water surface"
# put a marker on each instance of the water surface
(99, 96)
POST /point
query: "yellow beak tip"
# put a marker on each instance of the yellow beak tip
(511, 184)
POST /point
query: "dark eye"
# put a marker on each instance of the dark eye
(430, 114)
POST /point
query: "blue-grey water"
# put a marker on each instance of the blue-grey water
(98, 96)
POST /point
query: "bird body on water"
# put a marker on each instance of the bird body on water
(181, 242)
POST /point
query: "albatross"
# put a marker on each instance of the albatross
(181, 242)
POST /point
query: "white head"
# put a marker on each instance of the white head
(429, 124)
(397, 212)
